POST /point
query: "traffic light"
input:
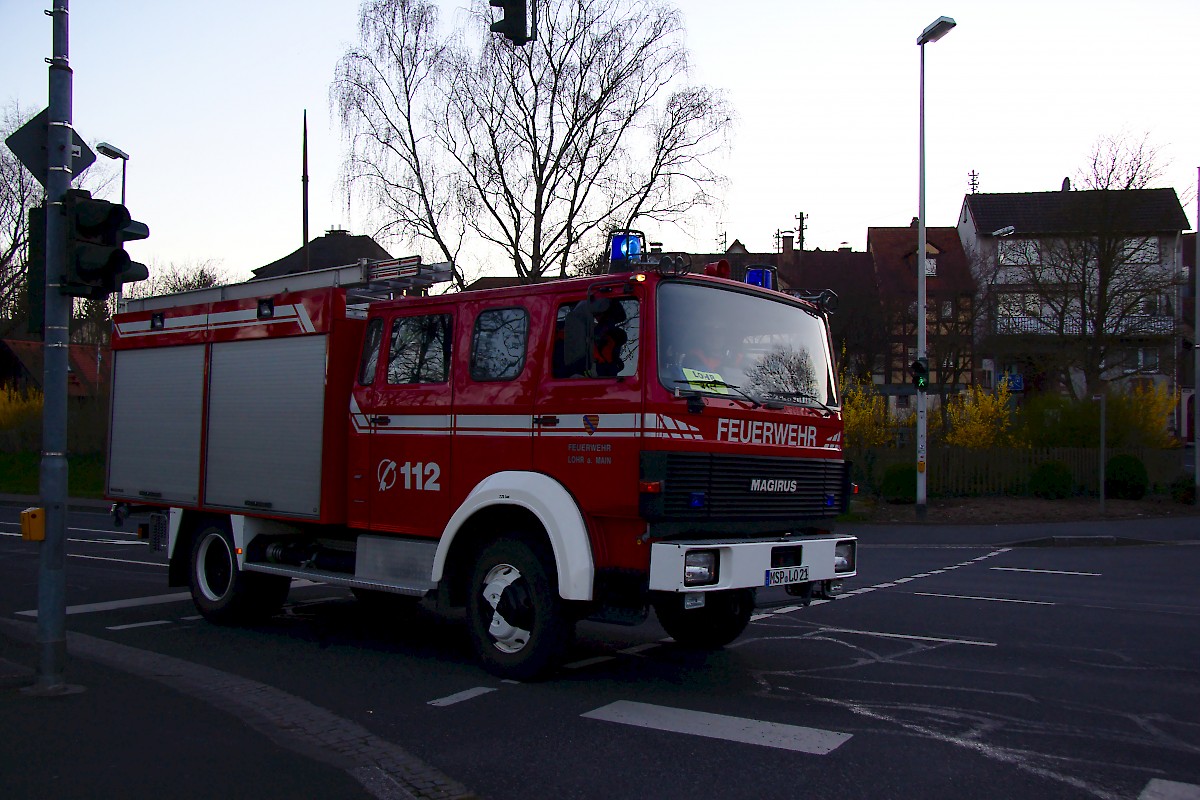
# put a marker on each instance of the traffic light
(513, 25)
(97, 230)
(920, 374)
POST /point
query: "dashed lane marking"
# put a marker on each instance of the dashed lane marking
(718, 726)
(640, 648)
(989, 599)
(459, 697)
(883, 635)
(588, 662)
(113, 605)
(138, 625)
(1048, 571)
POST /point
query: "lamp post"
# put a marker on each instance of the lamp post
(107, 149)
(934, 31)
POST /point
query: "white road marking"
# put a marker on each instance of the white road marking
(989, 599)
(117, 560)
(1048, 571)
(113, 605)
(640, 648)
(588, 662)
(77, 530)
(138, 625)
(787, 609)
(1158, 789)
(192, 618)
(757, 617)
(466, 694)
(882, 635)
(883, 586)
(718, 726)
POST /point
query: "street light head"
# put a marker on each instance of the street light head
(936, 30)
(106, 149)
(1007, 230)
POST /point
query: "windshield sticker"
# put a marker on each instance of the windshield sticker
(708, 381)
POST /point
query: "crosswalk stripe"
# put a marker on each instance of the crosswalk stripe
(718, 726)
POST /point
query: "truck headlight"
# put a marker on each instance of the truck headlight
(701, 567)
(843, 557)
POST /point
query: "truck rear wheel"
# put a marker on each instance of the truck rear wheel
(221, 591)
(519, 625)
(722, 618)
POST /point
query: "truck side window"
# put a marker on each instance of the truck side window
(614, 350)
(370, 353)
(419, 350)
(498, 344)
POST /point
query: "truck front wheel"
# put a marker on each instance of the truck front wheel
(222, 592)
(718, 622)
(519, 625)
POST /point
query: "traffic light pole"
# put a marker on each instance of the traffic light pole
(51, 625)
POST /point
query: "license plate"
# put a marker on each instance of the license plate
(786, 575)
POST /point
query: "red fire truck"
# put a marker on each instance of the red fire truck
(584, 448)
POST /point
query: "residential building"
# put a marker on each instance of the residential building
(1078, 289)
(950, 311)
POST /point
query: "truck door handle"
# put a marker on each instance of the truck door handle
(549, 422)
(381, 420)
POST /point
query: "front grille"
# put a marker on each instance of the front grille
(709, 487)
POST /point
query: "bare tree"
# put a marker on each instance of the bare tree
(1095, 280)
(534, 151)
(19, 192)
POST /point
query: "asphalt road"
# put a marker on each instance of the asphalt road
(949, 670)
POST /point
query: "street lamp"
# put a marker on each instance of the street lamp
(109, 150)
(934, 31)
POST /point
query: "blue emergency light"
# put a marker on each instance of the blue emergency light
(626, 245)
(761, 276)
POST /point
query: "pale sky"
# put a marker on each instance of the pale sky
(207, 98)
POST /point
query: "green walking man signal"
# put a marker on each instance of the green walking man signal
(920, 374)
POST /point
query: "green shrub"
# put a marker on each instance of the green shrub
(1125, 478)
(1183, 489)
(1051, 480)
(899, 484)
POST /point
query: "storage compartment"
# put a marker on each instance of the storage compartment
(154, 434)
(266, 411)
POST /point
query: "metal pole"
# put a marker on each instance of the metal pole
(1196, 348)
(51, 634)
(922, 480)
(124, 164)
(1103, 434)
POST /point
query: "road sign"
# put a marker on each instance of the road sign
(28, 143)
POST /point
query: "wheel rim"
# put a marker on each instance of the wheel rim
(214, 567)
(507, 593)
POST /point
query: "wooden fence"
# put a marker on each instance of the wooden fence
(956, 472)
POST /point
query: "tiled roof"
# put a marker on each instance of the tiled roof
(336, 248)
(1133, 211)
(893, 251)
(87, 365)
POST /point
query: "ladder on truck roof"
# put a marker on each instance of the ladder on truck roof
(364, 281)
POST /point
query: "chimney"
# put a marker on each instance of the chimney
(915, 222)
(788, 240)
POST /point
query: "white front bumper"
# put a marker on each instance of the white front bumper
(744, 564)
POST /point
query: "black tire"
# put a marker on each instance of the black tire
(222, 592)
(519, 626)
(718, 622)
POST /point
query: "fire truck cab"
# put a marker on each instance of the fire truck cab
(584, 448)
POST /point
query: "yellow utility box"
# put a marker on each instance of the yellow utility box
(33, 524)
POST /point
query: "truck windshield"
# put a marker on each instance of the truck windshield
(724, 342)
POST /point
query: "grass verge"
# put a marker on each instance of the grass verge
(20, 474)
